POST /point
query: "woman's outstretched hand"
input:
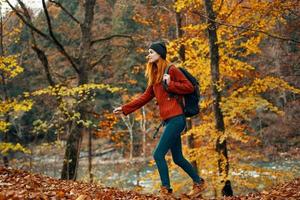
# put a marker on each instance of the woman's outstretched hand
(118, 110)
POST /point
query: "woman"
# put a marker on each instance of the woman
(170, 112)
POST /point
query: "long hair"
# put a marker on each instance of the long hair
(155, 71)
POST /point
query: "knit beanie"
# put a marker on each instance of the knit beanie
(160, 48)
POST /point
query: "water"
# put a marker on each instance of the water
(260, 175)
(129, 176)
(287, 165)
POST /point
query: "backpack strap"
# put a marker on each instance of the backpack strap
(172, 95)
(162, 123)
(165, 86)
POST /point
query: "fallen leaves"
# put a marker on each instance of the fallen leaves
(290, 190)
(17, 184)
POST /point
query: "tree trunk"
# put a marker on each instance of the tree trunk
(143, 129)
(71, 158)
(221, 148)
(90, 156)
(131, 144)
(129, 124)
(179, 35)
(190, 138)
(81, 64)
(72, 152)
(69, 170)
(191, 141)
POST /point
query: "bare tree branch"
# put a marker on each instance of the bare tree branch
(26, 13)
(98, 61)
(65, 10)
(233, 9)
(220, 6)
(64, 79)
(43, 58)
(249, 29)
(7, 17)
(162, 7)
(40, 53)
(28, 23)
(294, 13)
(56, 42)
(31, 26)
(111, 37)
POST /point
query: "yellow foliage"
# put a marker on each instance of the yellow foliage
(41, 126)
(69, 98)
(15, 106)
(139, 19)
(237, 132)
(64, 91)
(187, 4)
(245, 107)
(264, 84)
(6, 147)
(234, 44)
(4, 126)
(9, 67)
(239, 102)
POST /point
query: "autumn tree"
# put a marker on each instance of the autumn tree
(225, 35)
(11, 107)
(79, 59)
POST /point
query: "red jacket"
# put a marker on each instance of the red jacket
(168, 107)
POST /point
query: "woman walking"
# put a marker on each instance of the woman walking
(171, 113)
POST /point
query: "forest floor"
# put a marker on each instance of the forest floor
(18, 184)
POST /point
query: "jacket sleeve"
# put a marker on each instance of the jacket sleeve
(179, 84)
(138, 102)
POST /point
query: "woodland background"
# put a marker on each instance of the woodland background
(65, 67)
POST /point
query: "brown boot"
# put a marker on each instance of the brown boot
(198, 188)
(166, 193)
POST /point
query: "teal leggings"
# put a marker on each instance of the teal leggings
(170, 139)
